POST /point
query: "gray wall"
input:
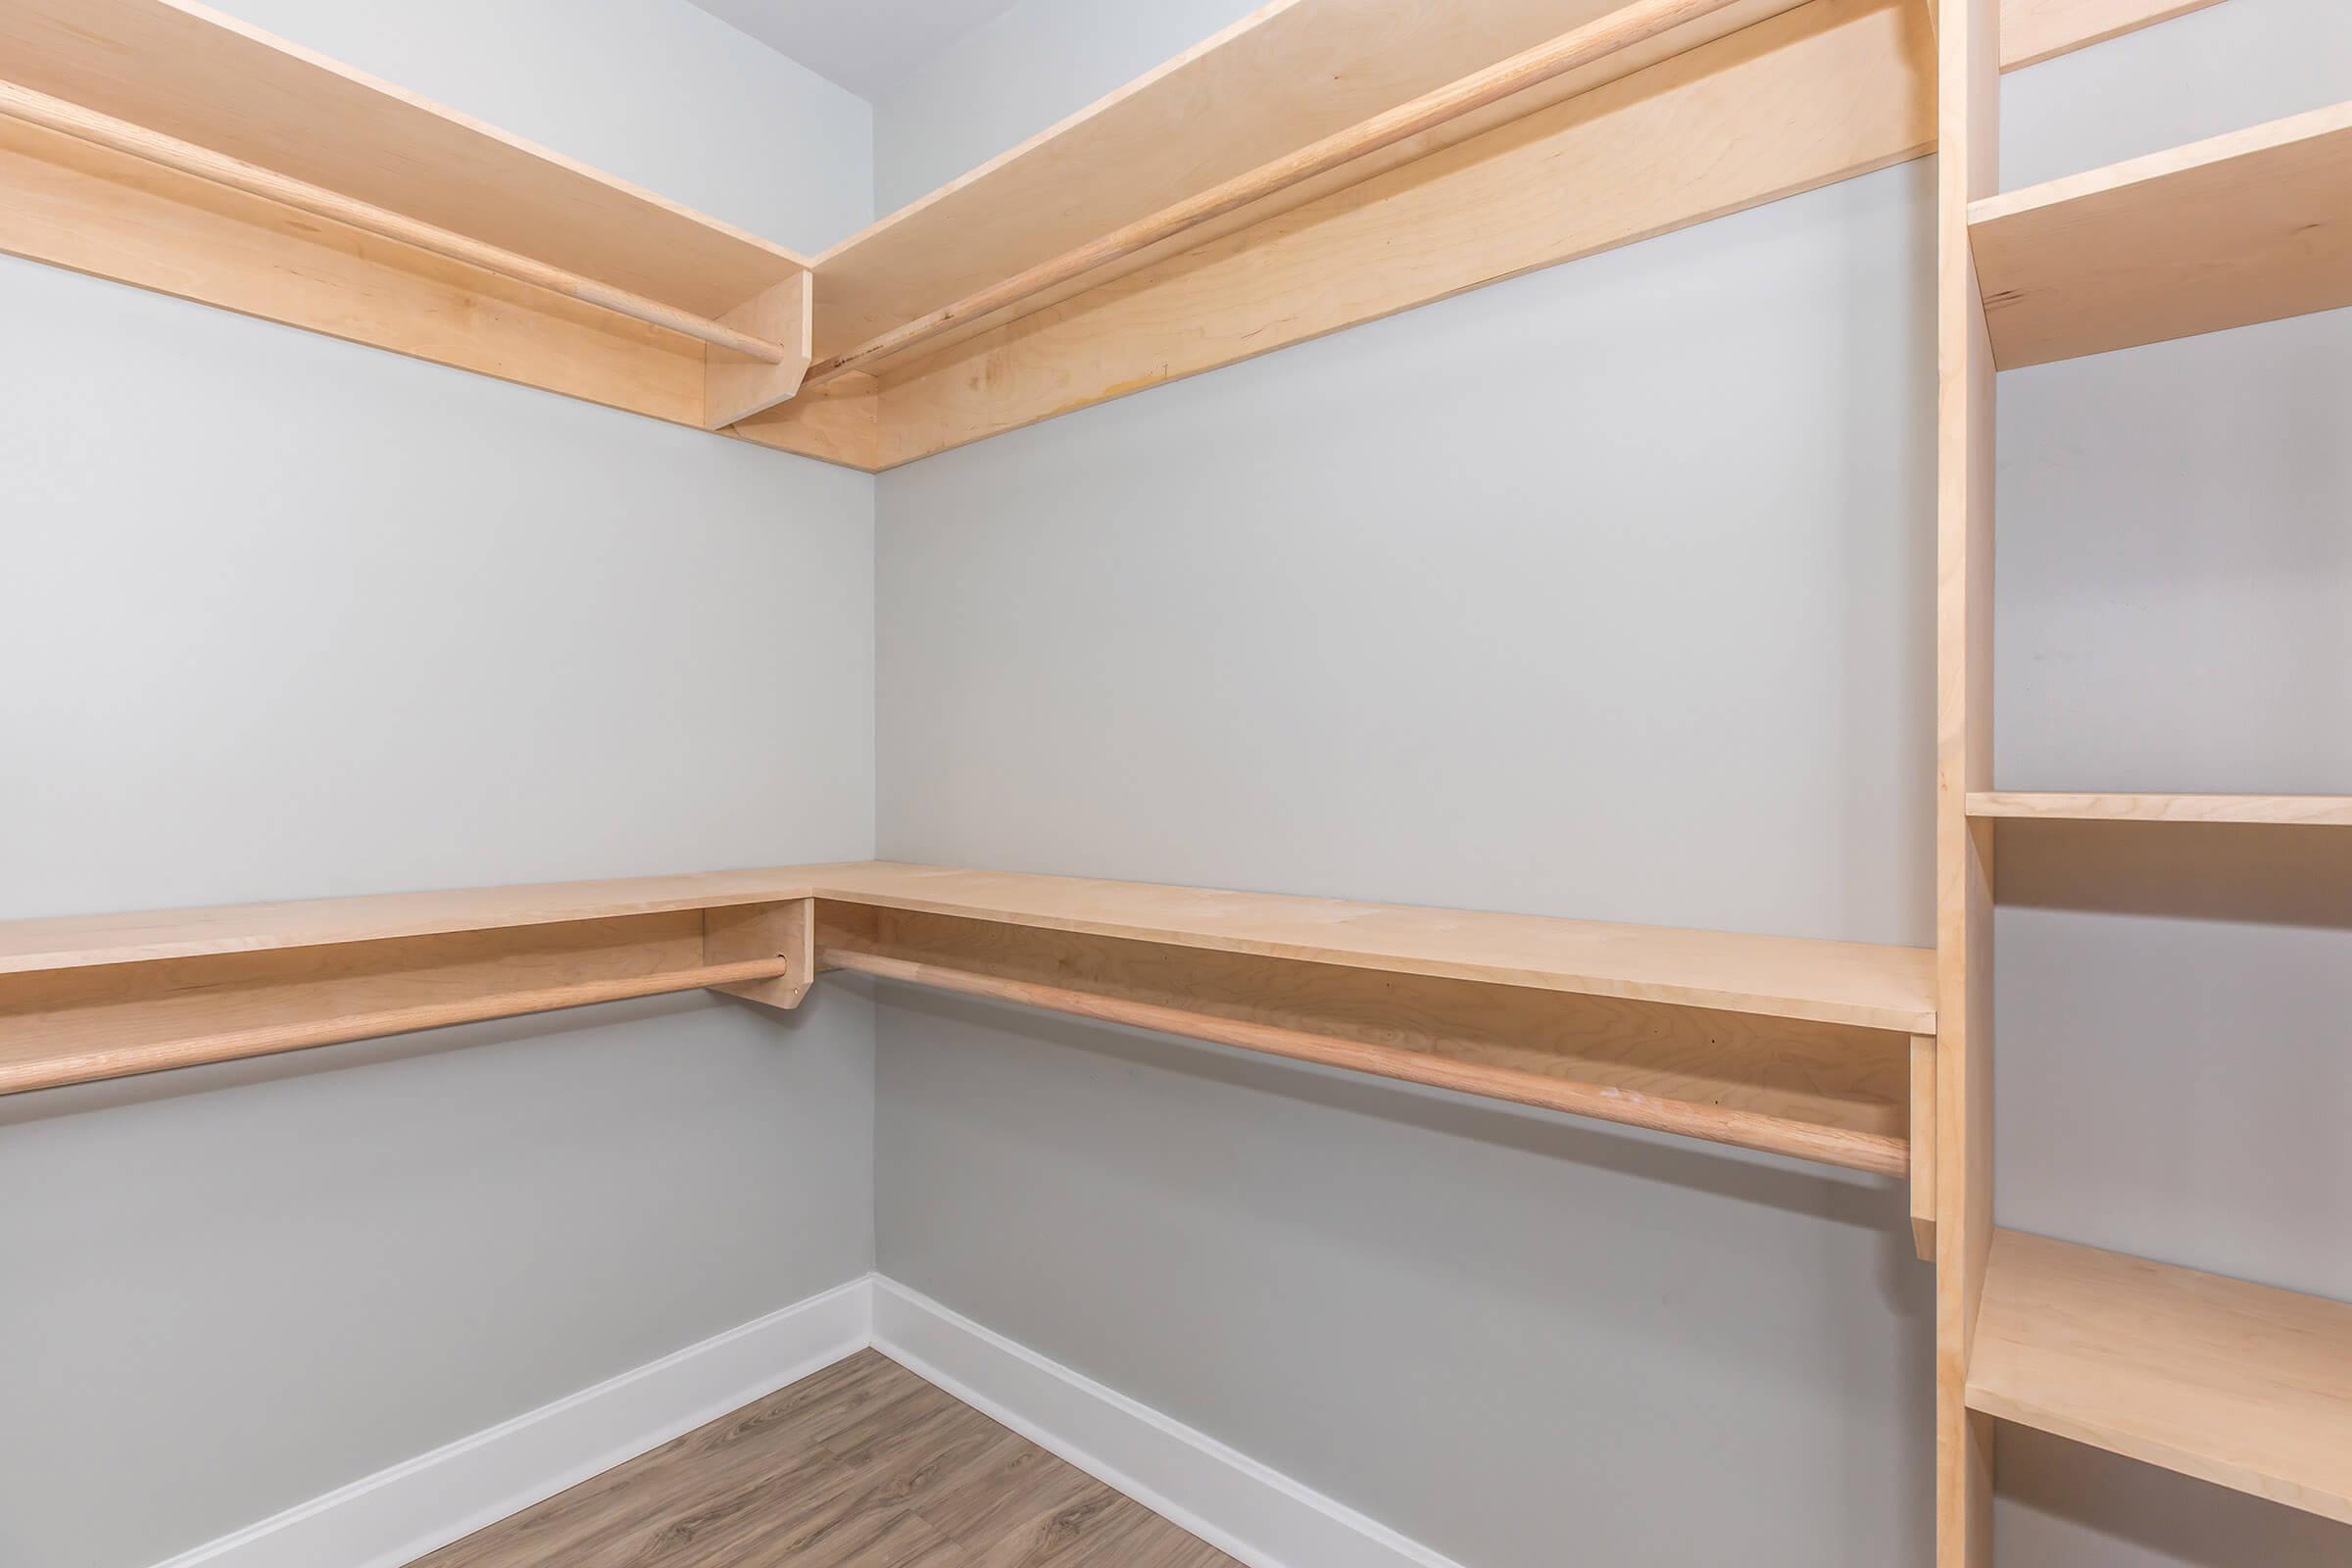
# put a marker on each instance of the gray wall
(1012, 76)
(2174, 613)
(1605, 592)
(283, 616)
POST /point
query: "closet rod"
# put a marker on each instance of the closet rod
(121, 1062)
(120, 135)
(1875, 1152)
(1532, 67)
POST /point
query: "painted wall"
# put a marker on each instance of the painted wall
(283, 616)
(1605, 592)
(2174, 613)
(1011, 77)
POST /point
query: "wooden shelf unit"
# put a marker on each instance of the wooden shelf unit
(1221, 138)
(1796, 1047)
(163, 144)
(2247, 227)
(2234, 1383)
(2241, 1385)
(166, 145)
(2291, 811)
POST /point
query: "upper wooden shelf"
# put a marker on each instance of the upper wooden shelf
(178, 84)
(2311, 810)
(2247, 227)
(2237, 1384)
(1808, 1048)
(1285, 106)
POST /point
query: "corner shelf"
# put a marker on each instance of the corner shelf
(1220, 139)
(2248, 227)
(2241, 1385)
(2306, 811)
(166, 145)
(1802, 1048)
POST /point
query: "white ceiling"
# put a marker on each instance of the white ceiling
(868, 46)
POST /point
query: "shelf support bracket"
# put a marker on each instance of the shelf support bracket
(749, 932)
(736, 387)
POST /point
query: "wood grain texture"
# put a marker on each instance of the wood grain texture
(76, 204)
(1870, 987)
(837, 422)
(863, 1465)
(1923, 1147)
(755, 933)
(1828, 1092)
(2237, 1384)
(1287, 75)
(1968, 167)
(75, 941)
(2310, 810)
(2253, 226)
(80, 1025)
(201, 163)
(2035, 31)
(737, 385)
(1293, 176)
(191, 72)
(1828, 90)
(91, 997)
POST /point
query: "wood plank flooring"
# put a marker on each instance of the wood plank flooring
(863, 1465)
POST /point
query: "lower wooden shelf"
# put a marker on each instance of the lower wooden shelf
(1821, 1051)
(2308, 811)
(2237, 1384)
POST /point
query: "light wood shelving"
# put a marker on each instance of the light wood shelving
(1796, 1047)
(2234, 1383)
(2247, 227)
(166, 145)
(2307, 811)
(2035, 31)
(2241, 1385)
(1218, 139)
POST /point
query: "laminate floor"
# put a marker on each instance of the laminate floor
(863, 1465)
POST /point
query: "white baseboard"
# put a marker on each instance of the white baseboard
(1239, 1506)
(399, 1514)
(1244, 1509)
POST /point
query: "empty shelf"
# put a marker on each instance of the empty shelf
(2237, 1384)
(1872, 987)
(1800, 1047)
(2314, 810)
(2246, 227)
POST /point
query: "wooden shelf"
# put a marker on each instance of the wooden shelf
(1798, 1046)
(2247, 227)
(162, 142)
(2035, 31)
(2237, 1384)
(1285, 106)
(2310, 810)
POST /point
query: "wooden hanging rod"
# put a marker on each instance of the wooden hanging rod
(104, 130)
(1745, 1129)
(1620, 30)
(168, 1049)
